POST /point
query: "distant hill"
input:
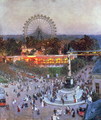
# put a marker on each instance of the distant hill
(69, 37)
(16, 37)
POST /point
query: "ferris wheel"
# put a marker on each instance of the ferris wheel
(40, 27)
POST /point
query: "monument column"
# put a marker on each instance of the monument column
(69, 65)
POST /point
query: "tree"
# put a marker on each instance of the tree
(12, 47)
(2, 47)
(83, 44)
(66, 48)
(52, 46)
(31, 42)
(77, 64)
(64, 70)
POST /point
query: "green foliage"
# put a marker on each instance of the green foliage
(27, 67)
(66, 48)
(38, 70)
(31, 42)
(85, 43)
(54, 70)
(51, 46)
(64, 70)
(3, 80)
(12, 48)
(51, 51)
(22, 64)
(77, 64)
(2, 47)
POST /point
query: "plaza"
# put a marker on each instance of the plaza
(28, 92)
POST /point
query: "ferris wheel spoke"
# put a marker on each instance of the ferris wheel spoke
(39, 25)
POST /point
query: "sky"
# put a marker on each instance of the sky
(70, 16)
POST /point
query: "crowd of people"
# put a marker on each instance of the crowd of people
(29, 95)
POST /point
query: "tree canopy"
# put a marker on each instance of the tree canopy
(83, 44)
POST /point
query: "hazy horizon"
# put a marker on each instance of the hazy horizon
(56, 35)
(72, 17)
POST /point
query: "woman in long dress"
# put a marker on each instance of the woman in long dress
(42, 103)
(18, 109)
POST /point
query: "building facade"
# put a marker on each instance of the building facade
(96, 83)
(96, 77)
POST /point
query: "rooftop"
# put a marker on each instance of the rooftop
(93, 111)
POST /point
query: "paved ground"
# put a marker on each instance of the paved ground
(27, 113)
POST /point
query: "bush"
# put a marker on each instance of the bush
(3, 80)
(64, 70)
(77, 64)
(54, 70)
(27, 67)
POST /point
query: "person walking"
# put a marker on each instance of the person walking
(55, 111)
(38, 112)
(18, 108)
(73, 112)
(42, 103)
(62, 101)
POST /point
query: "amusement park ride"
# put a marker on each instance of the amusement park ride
(39, 26)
